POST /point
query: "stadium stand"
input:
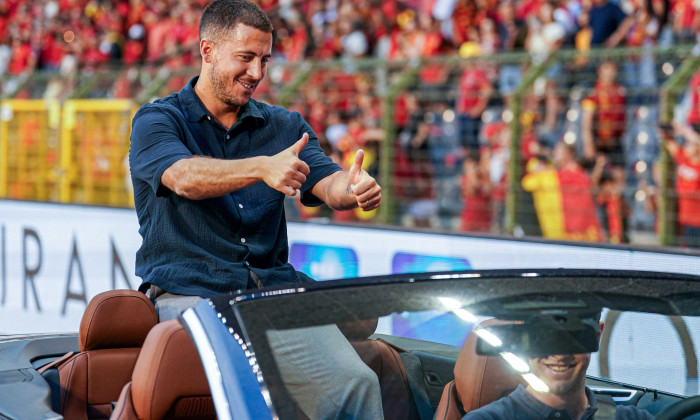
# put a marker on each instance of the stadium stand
(463, 106)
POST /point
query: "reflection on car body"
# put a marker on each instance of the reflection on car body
(418, 332)
(458, 301)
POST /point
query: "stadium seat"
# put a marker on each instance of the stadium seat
(479, 380)
(112, 330)
(168, 380)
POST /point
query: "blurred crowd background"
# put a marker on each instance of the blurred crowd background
(66, 35)
(574, 120)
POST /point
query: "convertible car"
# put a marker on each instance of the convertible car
(441, 344)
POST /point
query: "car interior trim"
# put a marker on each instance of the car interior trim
(618, 395)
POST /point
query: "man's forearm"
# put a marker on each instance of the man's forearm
(202, 177)
(348, 190)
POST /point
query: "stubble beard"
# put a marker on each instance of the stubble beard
(571, 387)
(222, 87)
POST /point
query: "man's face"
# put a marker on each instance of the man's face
(608, 73)
(238, 64)
(560, 155)
(563, 374)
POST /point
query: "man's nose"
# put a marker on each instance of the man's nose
(256, 69)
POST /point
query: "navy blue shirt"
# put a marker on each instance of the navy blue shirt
(604, 21)
(207, 247)
(521, 405)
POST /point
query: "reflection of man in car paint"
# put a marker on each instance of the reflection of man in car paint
(566, 396)
(211, 168)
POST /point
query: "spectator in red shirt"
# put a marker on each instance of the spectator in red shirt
(495, 156)
(159, 28)
(580, 216)
(463, 18)
(476, 190)
(51, 53)
(23, 58)
(693, 117)
(684, 20)
(92, 57)
(687, 158)
(134, 47)
(474, 93)
(603, 120)
(615, 211)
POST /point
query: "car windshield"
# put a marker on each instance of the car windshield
(642, 330)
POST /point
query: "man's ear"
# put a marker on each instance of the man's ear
(206, 49)
(601, 326)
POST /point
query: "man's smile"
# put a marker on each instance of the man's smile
(248, 86)
(560, 367)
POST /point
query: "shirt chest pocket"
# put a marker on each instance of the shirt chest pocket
(259, 203)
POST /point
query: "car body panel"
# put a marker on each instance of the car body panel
(641, 288)
(24, 393)
(229, 331)
(231, 373)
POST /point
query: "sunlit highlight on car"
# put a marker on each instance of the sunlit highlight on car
(450, 303)
(455, 307)
(516, 362)
(536, 383)
(489, 337)
(455, 276)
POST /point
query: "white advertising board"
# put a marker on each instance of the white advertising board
(55, 258)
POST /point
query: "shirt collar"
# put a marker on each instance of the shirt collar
(195, 110)
(546, 412)
(592, 405)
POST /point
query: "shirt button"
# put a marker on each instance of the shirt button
(228, 136)
(240, 206)
(243, 240)
(557, 414)
(209, 117)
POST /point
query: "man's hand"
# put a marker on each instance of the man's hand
(284, 171)
(365, 188)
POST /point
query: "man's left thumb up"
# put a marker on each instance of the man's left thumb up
(356, 168)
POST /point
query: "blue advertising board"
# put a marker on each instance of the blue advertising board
(323, 262)
(405, 262)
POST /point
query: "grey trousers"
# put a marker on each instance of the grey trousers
(329, 381)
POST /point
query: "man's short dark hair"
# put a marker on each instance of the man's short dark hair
(221, 16)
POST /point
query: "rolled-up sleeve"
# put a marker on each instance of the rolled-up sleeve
(320, 164)
(156, 143)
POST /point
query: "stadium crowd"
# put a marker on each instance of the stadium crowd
(61, 34)
(581, 174)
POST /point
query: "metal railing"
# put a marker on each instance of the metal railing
(68, 141)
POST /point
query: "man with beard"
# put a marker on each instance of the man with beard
(566, 397)
(211, 168)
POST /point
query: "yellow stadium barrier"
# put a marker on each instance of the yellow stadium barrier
(94, 152)
(74, 153)
(29, 148)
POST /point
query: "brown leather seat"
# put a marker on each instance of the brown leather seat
(112, 330)
(384, 359)
(386, 362)
(479, 380)
(168, 381)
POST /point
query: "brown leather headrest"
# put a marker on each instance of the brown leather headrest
(480, 380)
(116, 319)
(169, 371)
(360, 329)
